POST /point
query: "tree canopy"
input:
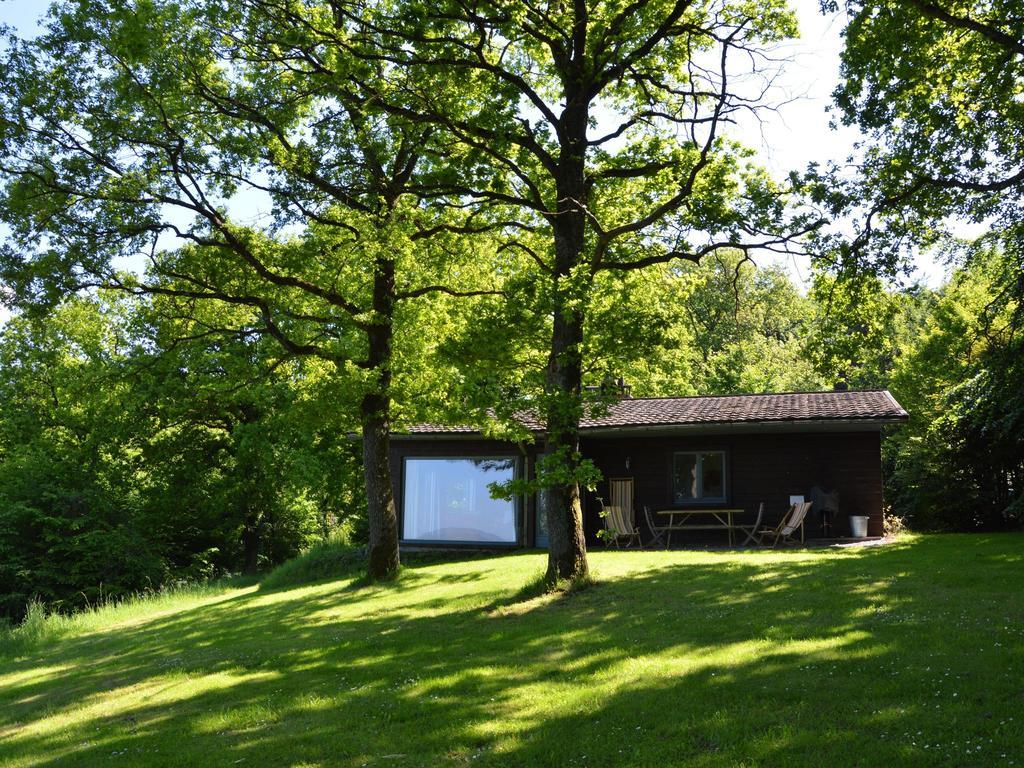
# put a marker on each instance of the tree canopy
(937, 87)
(582, 139)
(141, 135)
(129, 458)
(594, 133)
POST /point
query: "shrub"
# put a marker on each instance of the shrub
(893, 525)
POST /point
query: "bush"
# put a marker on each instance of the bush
(893, 525)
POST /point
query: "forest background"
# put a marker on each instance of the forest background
(186, 420)
(134, 459)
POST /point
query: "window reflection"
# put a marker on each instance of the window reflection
(698, 476)
(450, 500)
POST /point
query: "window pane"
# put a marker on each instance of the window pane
(698, 476)
(684, 477)
(713, 475)
(448, 500)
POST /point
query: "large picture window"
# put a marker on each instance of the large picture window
(698, 476)
(449, 500)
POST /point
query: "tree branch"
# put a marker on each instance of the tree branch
(986, 30)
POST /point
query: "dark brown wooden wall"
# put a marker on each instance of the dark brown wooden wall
(766, 467)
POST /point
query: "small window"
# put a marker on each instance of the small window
(698, 476)
(450, 500)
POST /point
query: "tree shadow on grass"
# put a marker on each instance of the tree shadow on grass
(353, 570)
(789, 659)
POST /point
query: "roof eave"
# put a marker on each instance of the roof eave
(863, 424)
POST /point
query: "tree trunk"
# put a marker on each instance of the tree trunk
(567, 549)
(375, 409)
(251, 547)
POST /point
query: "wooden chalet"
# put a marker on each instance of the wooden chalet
(672, 453)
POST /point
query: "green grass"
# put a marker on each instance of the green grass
(40, 629)
(322, 561)
(909, 654)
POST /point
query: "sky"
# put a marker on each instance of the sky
(799, 132)
(22, 14)
(796, 134)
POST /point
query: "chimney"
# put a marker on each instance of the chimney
(612, 386)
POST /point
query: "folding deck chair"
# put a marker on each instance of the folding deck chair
(790, 524)
(617, 528)
(751, 530)
(618, 516)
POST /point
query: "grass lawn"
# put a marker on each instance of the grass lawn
(908, 654)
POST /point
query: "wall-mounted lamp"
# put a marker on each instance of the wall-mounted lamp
(627, 462)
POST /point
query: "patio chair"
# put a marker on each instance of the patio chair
(796, 523)
(657, 531)
(618, 528)
(621, 489)
(751, 530)
(789, 525)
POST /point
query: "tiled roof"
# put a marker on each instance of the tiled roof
(872, 405)
(798, 406)
(433, 429)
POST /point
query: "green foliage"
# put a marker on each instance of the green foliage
(960, 462)
(129, 459)
(554, 468)
(937, 90)
(861, 327)
(721, 327)
(69, 510)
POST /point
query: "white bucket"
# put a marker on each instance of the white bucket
(859, 526)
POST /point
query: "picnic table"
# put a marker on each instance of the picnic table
(682, 520)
